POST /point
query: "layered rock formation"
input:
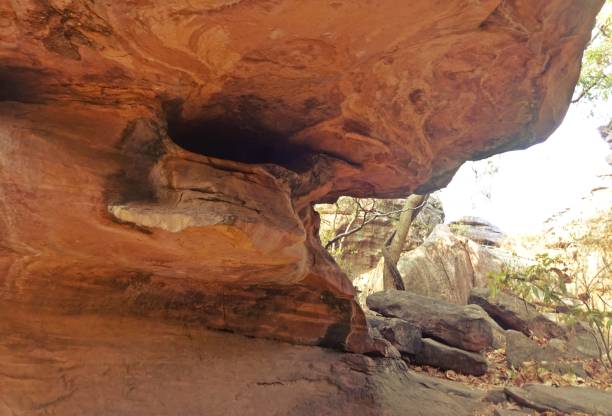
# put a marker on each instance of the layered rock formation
(446, 266)
(87, 365)
(478, 230)
(161, 158)
(514, 313)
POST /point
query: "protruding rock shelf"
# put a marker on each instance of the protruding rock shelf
(161, 158)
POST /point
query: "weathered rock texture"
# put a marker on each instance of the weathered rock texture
(160, 158)
(446, 266)
(512, 312)
(566, 400)
(466, 327)
(436, 354)
(360, 252)
(478, 230)
(88, 365)
(556, 355)
(403, 335)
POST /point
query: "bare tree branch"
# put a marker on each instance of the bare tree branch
(366, 222)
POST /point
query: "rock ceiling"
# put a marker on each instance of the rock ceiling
(161, 158)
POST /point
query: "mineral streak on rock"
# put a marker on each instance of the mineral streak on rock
(161, 158)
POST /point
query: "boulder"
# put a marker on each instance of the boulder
(382, 347)
(436, 354)
(542, 326)
(403, 335)
(583, 340)
(555, 355)
(466, 327)
(478, 230)
(512, 312)
(567, 400)
(447, 266)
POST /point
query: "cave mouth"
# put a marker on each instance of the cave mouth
(22, 84)
(238, 140)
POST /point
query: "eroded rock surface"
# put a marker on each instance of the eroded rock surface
(436, 354)
(91, 365)
(512, 312)
(556, 355)
(563, 399)
(466, 327)
(161, 158)
(479, 230)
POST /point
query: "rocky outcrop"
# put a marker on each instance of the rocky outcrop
(512, 312)
(567, 400)
(92, 365)
(445, 266)
(404, 336)
(555, 355)
(466, 327)
(159, 161)
(436, 354)
(427, 331)
(478, 230)
(158, 165)
(360, 252)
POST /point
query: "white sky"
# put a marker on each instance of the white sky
(533, 184)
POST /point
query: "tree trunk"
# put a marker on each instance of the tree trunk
(392, 249)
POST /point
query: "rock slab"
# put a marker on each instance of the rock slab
(465, 327)
(401, 334)
(436, 354)
(478, 230)
(447, 266)
(563, 399)
(512, 312)
(555, 355)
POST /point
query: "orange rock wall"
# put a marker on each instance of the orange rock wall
(161, 158)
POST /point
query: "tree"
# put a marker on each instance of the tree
(366, 211)
(595, 81)
(392, 249)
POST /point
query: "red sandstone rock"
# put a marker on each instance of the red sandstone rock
(279, 104)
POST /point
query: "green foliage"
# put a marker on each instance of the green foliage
(564, 283)
(459, 229)
(596, 75)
